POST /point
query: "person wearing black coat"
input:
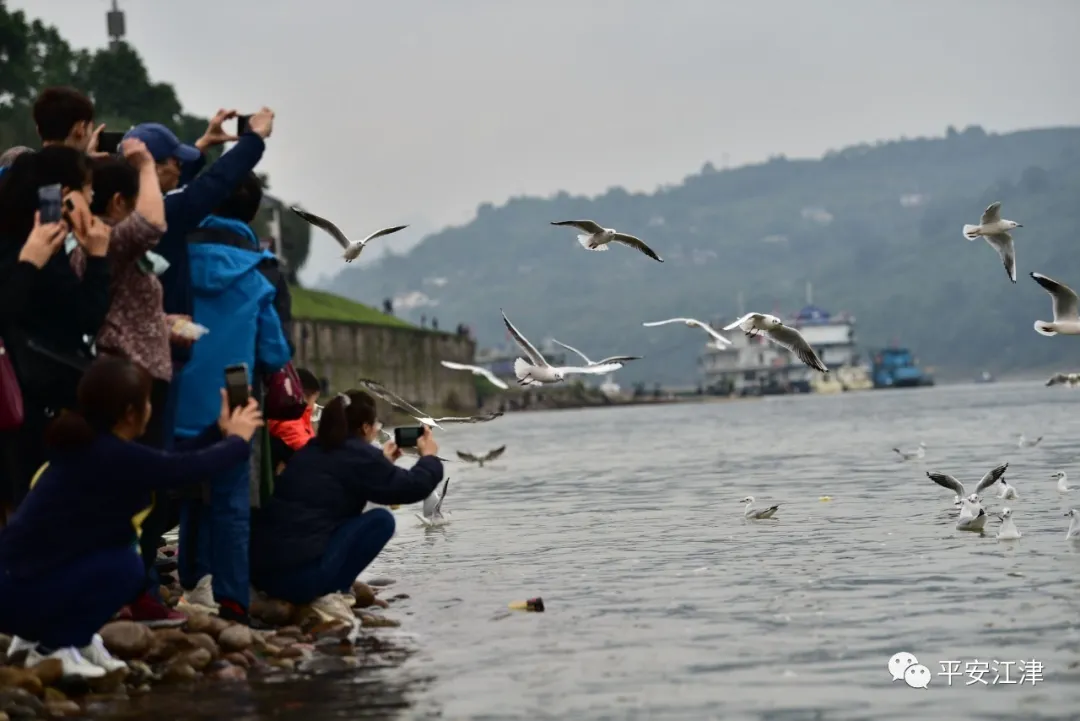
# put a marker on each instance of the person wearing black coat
(313, 538)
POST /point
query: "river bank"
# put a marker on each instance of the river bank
(303, 642)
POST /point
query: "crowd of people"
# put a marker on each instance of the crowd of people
(115, 425)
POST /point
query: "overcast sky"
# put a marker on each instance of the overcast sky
(416, 111)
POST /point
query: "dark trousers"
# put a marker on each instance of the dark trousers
(351, 549)
(67, 606)
(166, 512)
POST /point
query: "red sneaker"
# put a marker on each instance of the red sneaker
(151, 612)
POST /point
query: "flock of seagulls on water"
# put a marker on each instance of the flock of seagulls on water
(534, 370)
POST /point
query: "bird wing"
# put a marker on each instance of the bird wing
(384, 231)
(470, 419)
(590, 370)
(467, 457)
(738, 323)
(378, 389)
(944, 479)
(442, 497)
(492, 378)
(991, 478)
(495, 453)
(792, 339)
(992, 214)
(618, 359)
(575, 350)
(535, 357)
(1056, 379)
(323, 224)
(669, 320)
(1003, 244)
(709, 329)
(588, 226)
(458, 366)
(1066, 304)
(636, 243)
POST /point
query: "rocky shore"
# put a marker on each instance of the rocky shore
(304, 641)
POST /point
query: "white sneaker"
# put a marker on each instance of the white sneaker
(20, 644)
(201, 597)
(72, 662)
(333, 606)
(97, 654)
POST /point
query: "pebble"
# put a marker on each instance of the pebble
(63, 708)
(126, 639)
(48, 671)
(20, 678)
(378, 622)
(179, 670)
(230, 673)
(198, 659)
(237, 659)
(365, 594)
(236, 638)
(381, 582)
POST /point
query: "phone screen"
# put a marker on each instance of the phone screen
(236, 385)
(109, 141)
(242, 122)
(50, 203)
(406, 436)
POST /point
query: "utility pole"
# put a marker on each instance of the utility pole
(114, 20)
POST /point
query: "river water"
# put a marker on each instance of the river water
(662, 603)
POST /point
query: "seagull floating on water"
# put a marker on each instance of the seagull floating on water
(1023, 442)
(352, 247)
(973, 516)
(476, 371)
(919, 452)
(619, 359)
(947, 481)
(785, 336)
(1066, 308)
(1062, 481)
(995, 231)
(537, 371)
(718, 341)
(1073, 534)
(595, 237)
(433, 515)
(1069, 379)
(1009, 531)
(379, 390)
(1008, 492)
(757, 515)
(481, 460)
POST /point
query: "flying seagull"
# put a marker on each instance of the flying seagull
(919, 452)
(947, 481)
(1066, 308)
(620, 359)
(783, 335)
(1069, 379)
(1023, 442)
(378, 389)
(718, 341)
(481, 460)
(757, 515)
(595, 237)
(476, 371)
(352, 247)
(537, 371)
(995, 231)
(433, 515)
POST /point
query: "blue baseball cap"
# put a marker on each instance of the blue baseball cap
(163, 143)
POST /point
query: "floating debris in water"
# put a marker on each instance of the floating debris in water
(532, 604)
(824, 499)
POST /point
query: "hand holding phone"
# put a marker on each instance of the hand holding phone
(236, 385)
(242, 123)
(50, 203)
(406, 436)
(109, 141)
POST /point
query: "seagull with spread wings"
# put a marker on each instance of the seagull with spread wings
(718, 341)
(378, 390)
(1066, 308)
(352, 247)
(596, 237)
(946, 481)
(481, 460)
(536, 370)
(433, 515)
(995, 231)
(476, 371)
(619, 359)
(782, 335)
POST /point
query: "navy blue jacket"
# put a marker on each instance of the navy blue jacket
(95, 498)
(319, 490)
(186, 207)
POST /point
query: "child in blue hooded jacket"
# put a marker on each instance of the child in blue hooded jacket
(235, 301)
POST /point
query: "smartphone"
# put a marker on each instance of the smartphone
(50, 203)
(242, 122)
(236, 385)
(407, 436)
(109, 141)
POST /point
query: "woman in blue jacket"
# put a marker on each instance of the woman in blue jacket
(76, 534)
(313, 538)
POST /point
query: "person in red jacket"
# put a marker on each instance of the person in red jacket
(287, 437)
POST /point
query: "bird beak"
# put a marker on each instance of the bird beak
(1019, 226)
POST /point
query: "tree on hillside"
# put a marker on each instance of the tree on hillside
(36, 56)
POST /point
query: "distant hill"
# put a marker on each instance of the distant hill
(310, 304)
(875, 228)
